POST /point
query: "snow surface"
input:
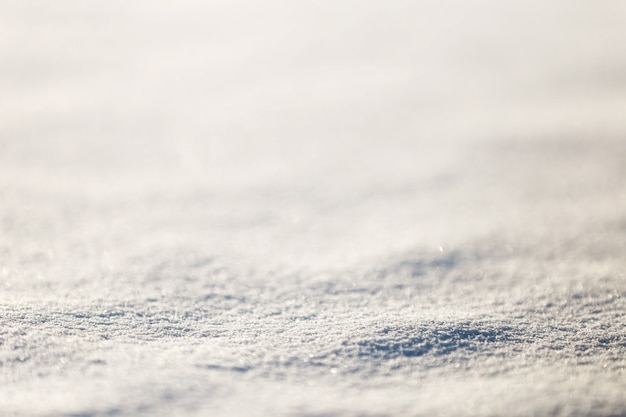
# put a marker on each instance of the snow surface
(312, 208)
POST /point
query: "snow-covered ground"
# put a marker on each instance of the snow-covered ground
(312, 208)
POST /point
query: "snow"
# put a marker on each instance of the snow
(312, 208)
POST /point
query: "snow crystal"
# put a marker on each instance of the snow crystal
(312, 208)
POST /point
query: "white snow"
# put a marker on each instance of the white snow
(312, 208)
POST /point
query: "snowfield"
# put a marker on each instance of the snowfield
(312, 208)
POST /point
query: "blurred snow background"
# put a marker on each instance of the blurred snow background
(312, 208)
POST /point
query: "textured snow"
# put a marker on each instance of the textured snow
(312, 208)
